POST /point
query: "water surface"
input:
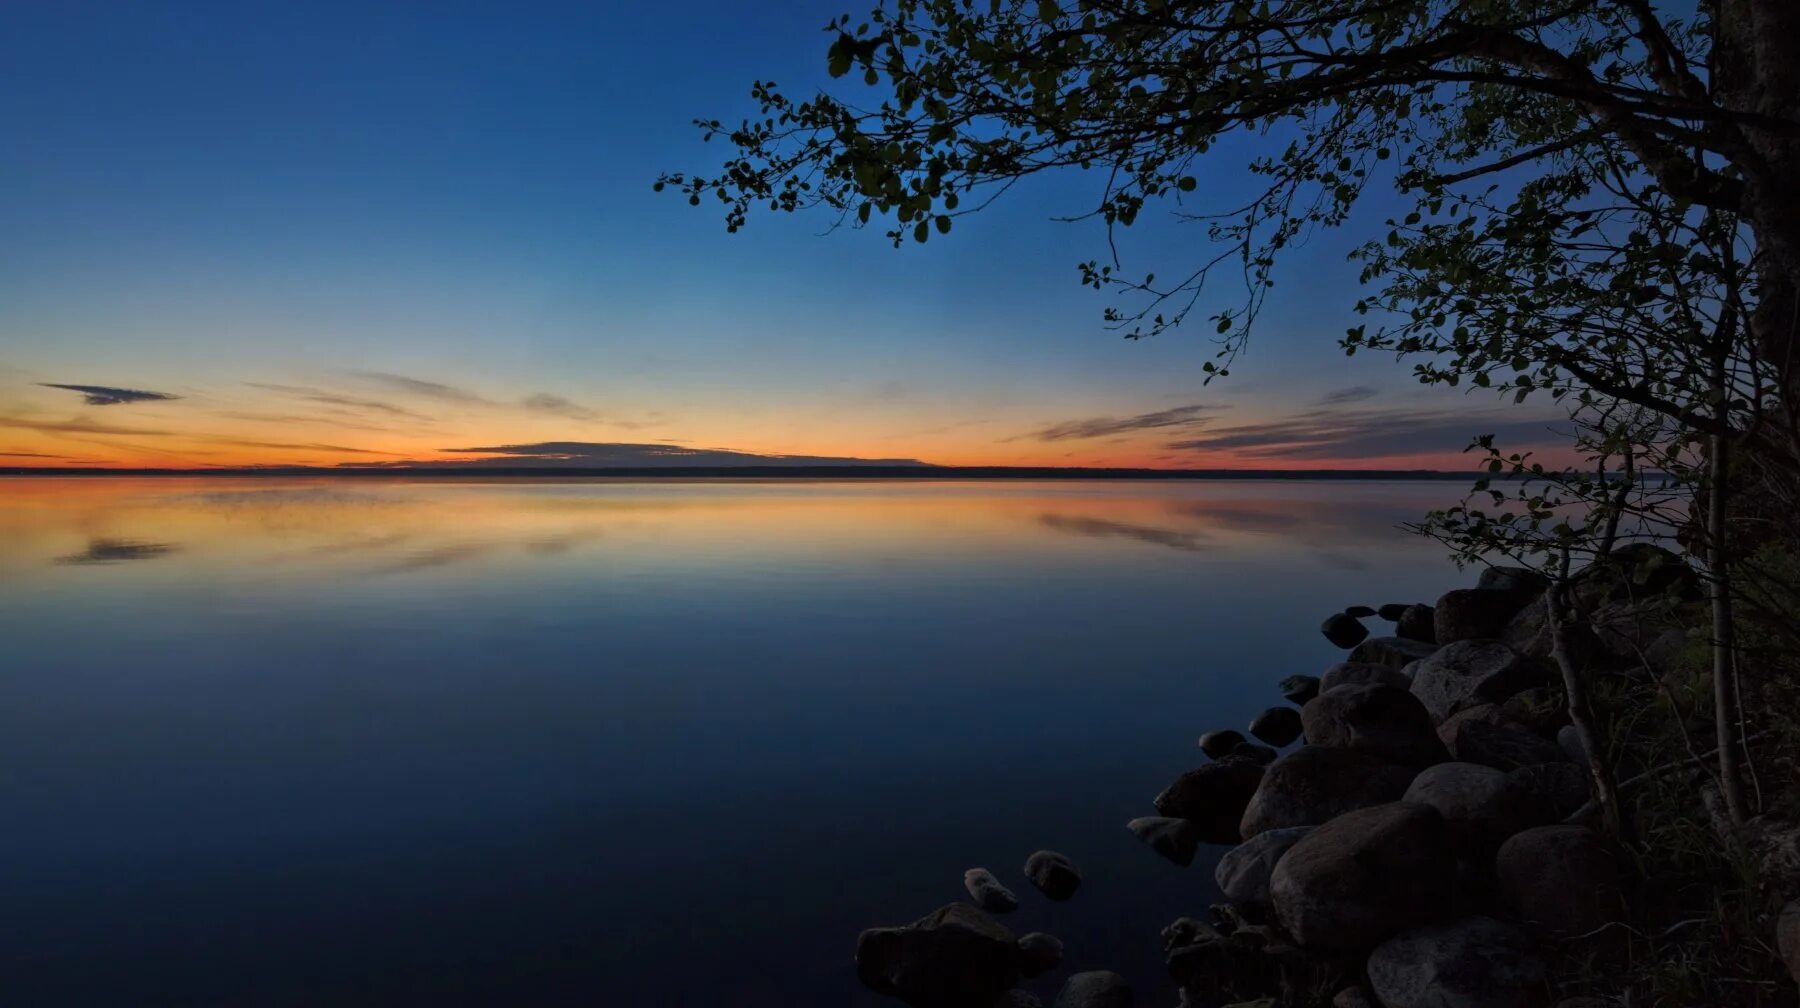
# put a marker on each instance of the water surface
(395, 742)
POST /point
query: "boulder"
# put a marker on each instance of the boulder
(1313, 783)
(955, 957)
(1523, 580)
(1243, 873)
(1385, 721)
(1528, 633)
(1213, 796)
(1343, 630)
(1175, 839)
(1502, 745)
(1260, 753)
(1358, 611)
(1477, 962)
(1278, 726)
(1053, 874)
(1474, 613)
(1561, 878)
(1488, 712)
(1391, 612)
(1417, 622)
(1638, 570)
(1095, 989)
(1039, 953)
(988, 893)
(1358, 673)
(1787, 938)
(1364, 876)
(1481, 805)
(1472, 672)
(1299, 688)
(1394, 652)
(1219, 743)
(1550, 792)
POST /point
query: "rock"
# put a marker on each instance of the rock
(1213, 796)
(1243, 873)
(1358, 611)
(1561, 878)
(988, 893)
(1354, 997)
(1299, 688)
(1787, 938)
(1636, 570)
(1648, 630)
(1568, 739)
(1538, 709)
(1365, 875)
(1343, 630)
(955, 957)
(1039, 953)
(1017, 998)
(1175, 839)
(1487, 712)
(1358, 673)
(1550, 792)
(1523, 580)
(1260, 753)
(1528, 633)
(1481, 805)
(1095, 989)
(1391, 612)
(1385, 721)
(1312, 784)
(1219, 743)
(1474, 613)
(1053, 874)
(1417, 622)
(1503, 746)
(1472, 672)
(1477, 962)
(1394, 652)
(1278, 726)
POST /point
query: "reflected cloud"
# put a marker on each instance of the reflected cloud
(1102, 528)
(106, 551)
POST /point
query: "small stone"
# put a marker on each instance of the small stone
(1394, 652)
(1053, 874)
(1417, 622)
(1278, 726)
(1095, 989)
(1477, 962)
(1219, 743)
(1391, 612)
(1175, 839)
(1039, 953)
(1213, 796)
(1358, 611)
(955, 957)
(1343, 630)
(1299, 688)
(988, 893)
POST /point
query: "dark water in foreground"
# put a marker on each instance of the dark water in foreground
(442, 743)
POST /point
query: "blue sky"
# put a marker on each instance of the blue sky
(207, 200)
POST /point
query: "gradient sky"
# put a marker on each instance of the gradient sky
(339, 233)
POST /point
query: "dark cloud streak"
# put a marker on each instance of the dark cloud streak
(107, 395)
(1177, 416)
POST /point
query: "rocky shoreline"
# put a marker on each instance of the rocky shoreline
(1412, 831)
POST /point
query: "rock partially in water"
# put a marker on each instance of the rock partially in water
(1394, 652)
(1472, 672)
(988, 893)
(1260, 753)
(1053, 874)
(954, 957)
(1039, 953)
(1213, 796)
(1095, 989)
(1417, 622)
(1218, 743)
(1175, 839)
(1343, 630)
(1358, 611)
(1299, 688)
(1364, 876)
(1499, 744)
(1361, 673)
(1391, 612)
(1561, 878)
(1385, 721)
(1314, 783)
(1477, 962)
(1278, 726)
(1474, 613)
(1243, 872)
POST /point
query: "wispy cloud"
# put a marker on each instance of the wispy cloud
(1345, 396)
(555, 405)
(107, 395)
(621, 455)
(1333, 433)
(104, 551)
(1178, 416)
(421, 387)
(79, 425)
(334, 399)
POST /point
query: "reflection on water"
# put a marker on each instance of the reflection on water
(396, 742)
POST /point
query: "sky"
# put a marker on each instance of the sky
(360, 234)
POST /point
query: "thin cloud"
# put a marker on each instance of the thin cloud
(1338, 434)
(1178, 416)
(421, 387)
(1345, 396)
(78, 426)
(621, 455)
(107, 395)
(333, 399)
(105, 551)
(555, 405)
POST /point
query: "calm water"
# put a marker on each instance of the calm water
(621, 743)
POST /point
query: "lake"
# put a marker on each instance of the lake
(459, 742)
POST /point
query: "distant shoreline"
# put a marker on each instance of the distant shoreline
(772, 472)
